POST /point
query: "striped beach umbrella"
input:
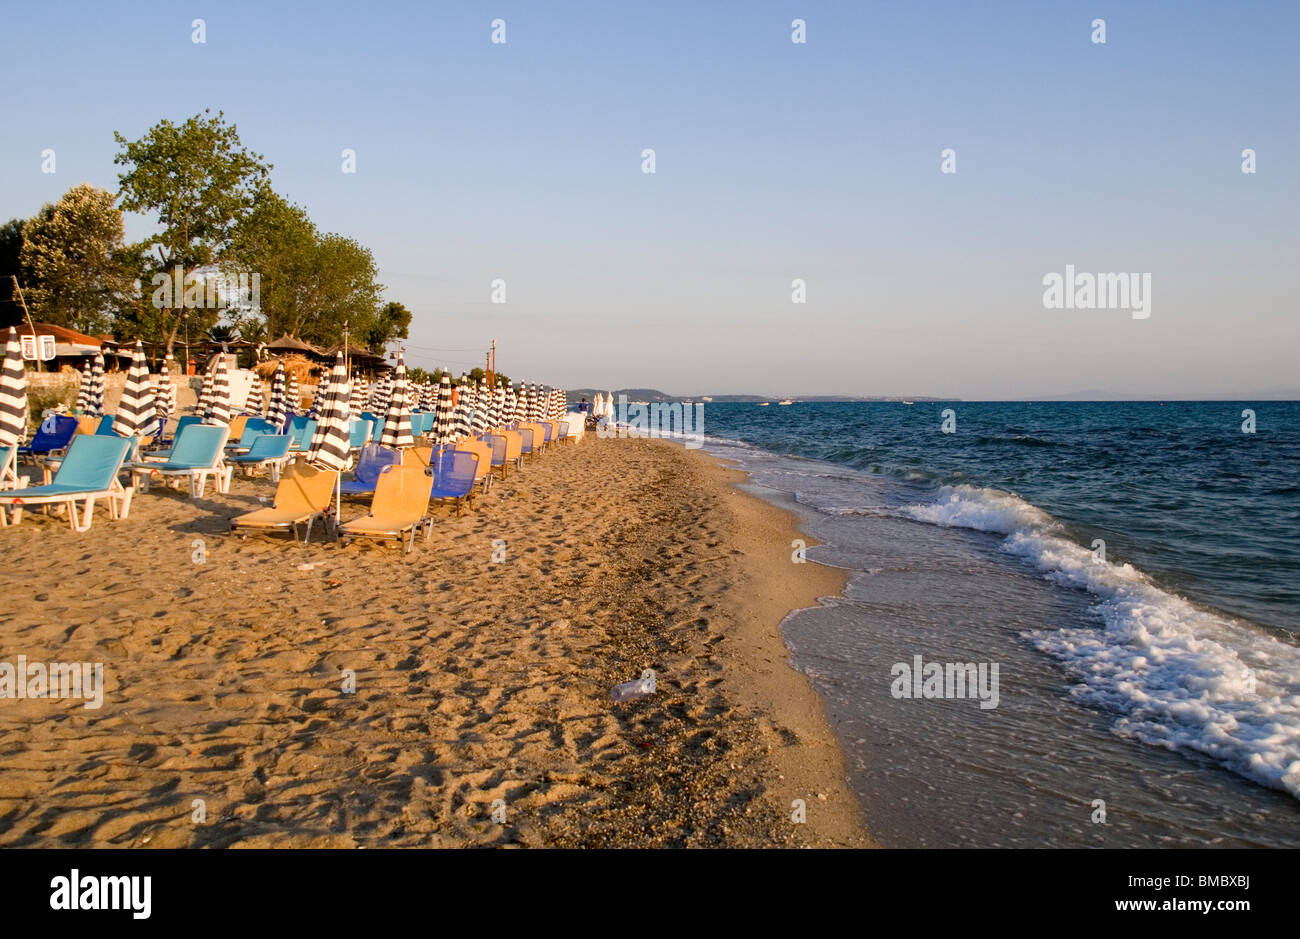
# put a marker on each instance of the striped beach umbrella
(360, 393)
(292, 396)
(460, 416)
(205, 395)
(318, 396)
(83, 390)
(397, 424)
(95, 402)
(442, 422)
(429, 398)
(218, 405)
(276, 413)
(164, 399)
(479, 417)
(377, 402)
(256, 400)
(135, 411)
(13, 396)
(331, 444)
(521, 403)
(496, 416)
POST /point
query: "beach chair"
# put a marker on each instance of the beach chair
(105, 425)
(500, 452)
(9, 478)
(303, 495)
(577, 425)
(370, 464)
(265, 450)
(454, 473)
(89, 472)
(562, 432)
(358, 434)
(181, 424)
(301, 430)
(237, 425)
(254, 427)
(526, 448)
(412, 456)
(49, 442)
(483, 450)
(196, 455)
(400, 506)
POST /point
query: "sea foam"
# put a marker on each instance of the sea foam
(1179, 676)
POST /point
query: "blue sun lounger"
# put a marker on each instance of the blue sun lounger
(197, 454)
(87, 473)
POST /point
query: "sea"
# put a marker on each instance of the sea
(1132, 569)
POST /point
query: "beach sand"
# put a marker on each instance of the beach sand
(474, 681)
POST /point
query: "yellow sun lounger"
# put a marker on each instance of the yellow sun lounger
(400, 506)
(303, 495)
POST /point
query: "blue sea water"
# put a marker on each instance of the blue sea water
(1134, 567)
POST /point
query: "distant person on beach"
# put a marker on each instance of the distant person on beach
(583, 406)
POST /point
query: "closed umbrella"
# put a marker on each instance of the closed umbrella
(318, 397)
(292, 396)
(218, 407)
(135, 412)
(95, 405)
(331, 444)
(397, 425)
(479, 416)
(205, 395)
(442, 423)
(13, 405)
(164, 400)
(379, 392)
(460, 418)
(278, 412)
(360, 392)
(256, 400)
(83, 390)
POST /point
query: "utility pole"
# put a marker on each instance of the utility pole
(492, 365)
(35, 343)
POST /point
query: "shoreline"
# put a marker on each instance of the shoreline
(480, 714)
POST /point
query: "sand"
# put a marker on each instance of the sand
(481, 713)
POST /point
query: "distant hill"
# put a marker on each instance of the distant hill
(654, 394)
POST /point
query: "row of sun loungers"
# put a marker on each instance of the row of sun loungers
(87, 458)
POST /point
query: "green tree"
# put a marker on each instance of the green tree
(79, 263)
(201, 182)
(11, 247)
(311, 284)
(388, 324)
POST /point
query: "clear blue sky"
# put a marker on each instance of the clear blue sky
(774, 161)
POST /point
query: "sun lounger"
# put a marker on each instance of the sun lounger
(454, 473)
(400, 505)
(266, 450)
(301, 430)
(303, 495)
(55, 440)
(89, 472)
(196, 455)
(254, 427)
(483, 450)
(370, 464)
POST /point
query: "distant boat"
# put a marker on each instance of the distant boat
(786, 401)
(763, 404)
(909, 402)
(706, 398)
